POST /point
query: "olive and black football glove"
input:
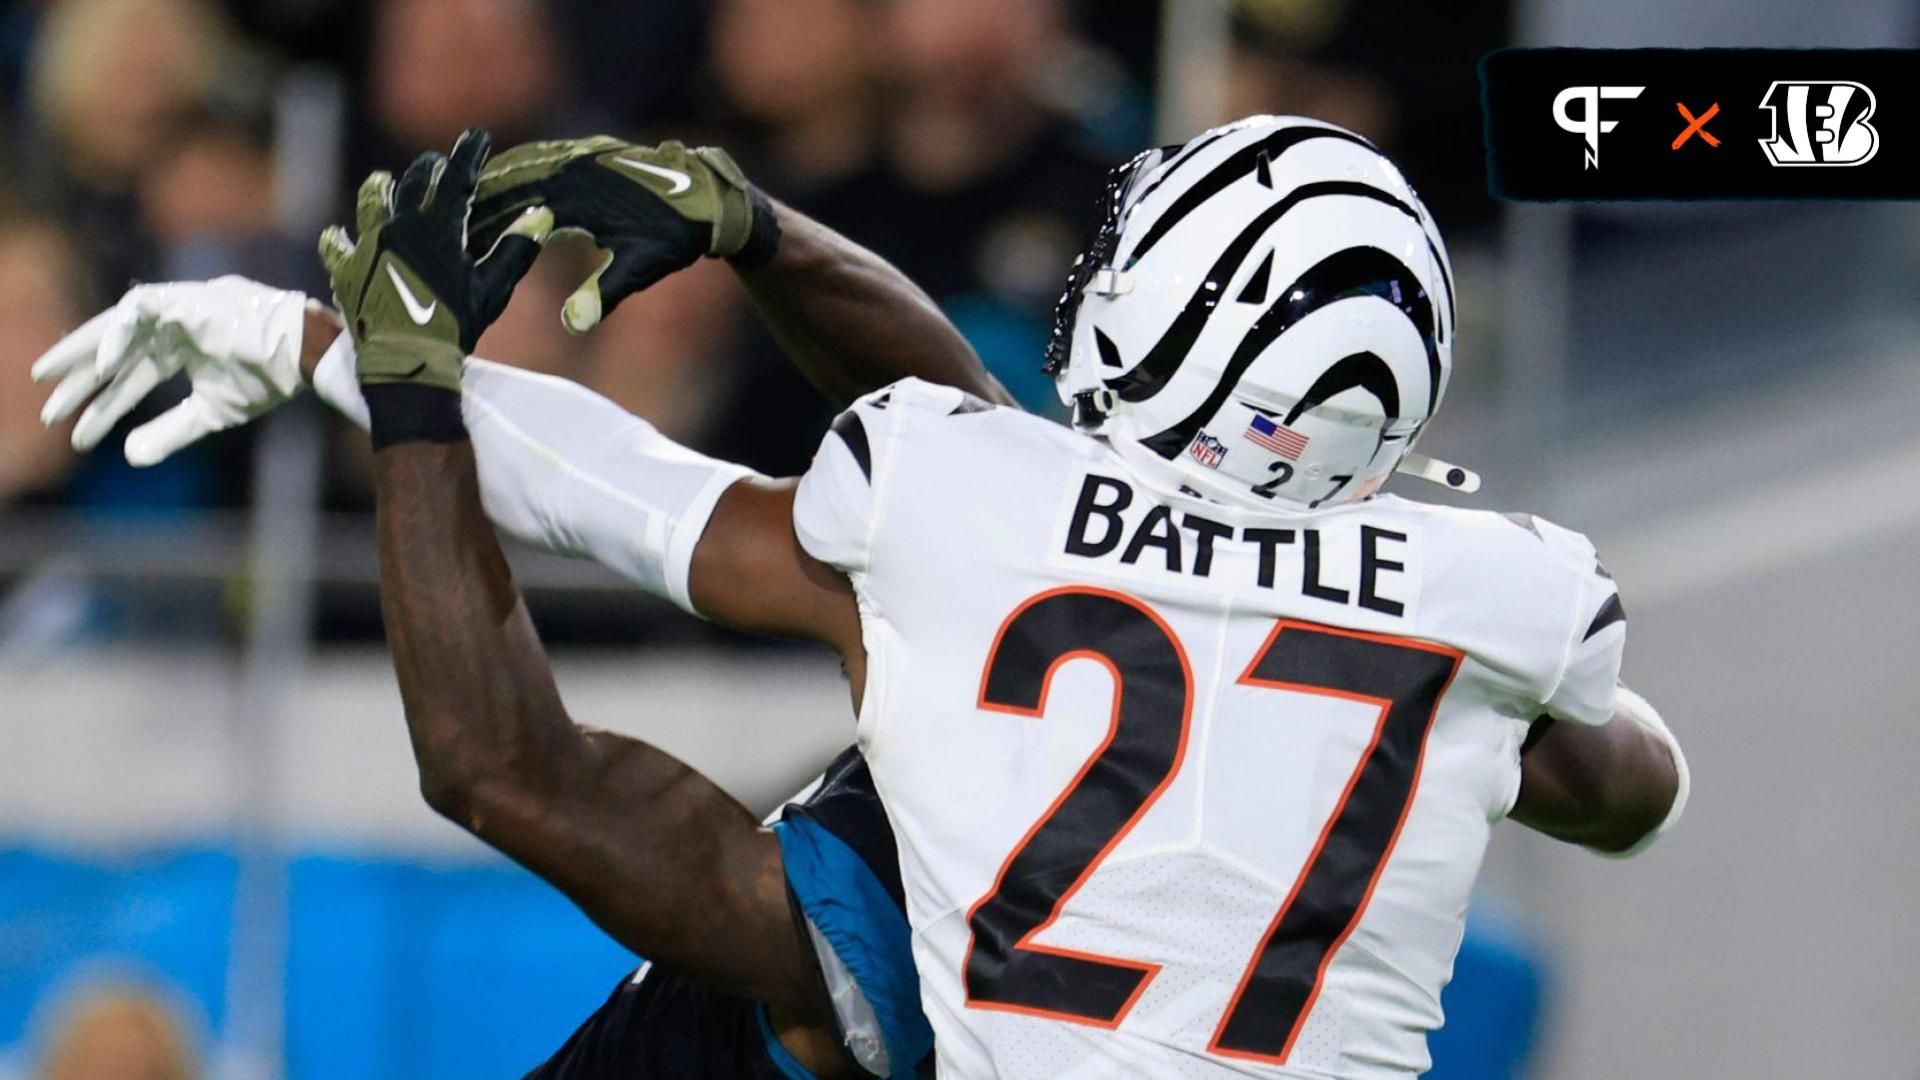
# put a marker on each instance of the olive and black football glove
(654, 209)
(414, 300)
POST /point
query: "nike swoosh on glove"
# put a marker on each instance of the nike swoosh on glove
(414, 300)
(655, 209)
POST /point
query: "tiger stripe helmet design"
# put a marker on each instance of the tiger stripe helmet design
(1268, 310)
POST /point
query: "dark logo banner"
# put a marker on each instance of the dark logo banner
(1702, 123)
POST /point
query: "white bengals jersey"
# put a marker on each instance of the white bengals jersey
(1181, 790)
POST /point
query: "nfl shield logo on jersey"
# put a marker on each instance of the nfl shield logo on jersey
(1208, 450)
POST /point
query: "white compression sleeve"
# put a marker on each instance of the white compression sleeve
(336, 382)
(565, 470)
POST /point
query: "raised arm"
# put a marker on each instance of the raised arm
(1613, 788)
(852, 322)
(563, 469)
(652, 851)
(849, 319)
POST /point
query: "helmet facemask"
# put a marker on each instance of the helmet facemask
(1081, 389)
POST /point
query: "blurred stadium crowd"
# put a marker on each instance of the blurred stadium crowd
(966, 140)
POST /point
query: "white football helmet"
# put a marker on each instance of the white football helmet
(1268, 310)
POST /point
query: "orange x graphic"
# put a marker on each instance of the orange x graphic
(1697, 125)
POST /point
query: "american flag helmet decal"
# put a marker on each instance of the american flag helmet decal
(1278, 438)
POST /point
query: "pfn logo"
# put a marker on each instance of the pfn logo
(1826, 124)
(1588, 124)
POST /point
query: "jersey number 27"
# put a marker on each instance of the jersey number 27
(1145, 744)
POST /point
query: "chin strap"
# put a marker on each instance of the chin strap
(1447, 475)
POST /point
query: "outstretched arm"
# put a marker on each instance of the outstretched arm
(565, 470)
(847, 318)
(652, 851)
(853, 323)
(850, 320)
(1613, 788)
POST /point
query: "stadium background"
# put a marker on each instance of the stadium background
(209, 831)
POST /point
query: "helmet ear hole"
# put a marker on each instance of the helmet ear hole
(1109, 352)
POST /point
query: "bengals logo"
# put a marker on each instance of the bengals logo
(1819, 123)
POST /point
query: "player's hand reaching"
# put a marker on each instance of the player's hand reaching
(237, 340)
(654, 209)
(414, 300)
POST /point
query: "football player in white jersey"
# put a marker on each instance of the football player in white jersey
(1192, 742)
(1239, 835)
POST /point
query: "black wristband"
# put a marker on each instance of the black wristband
(413, 412)
(763, 239)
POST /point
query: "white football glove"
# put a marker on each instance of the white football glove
(237, 340)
